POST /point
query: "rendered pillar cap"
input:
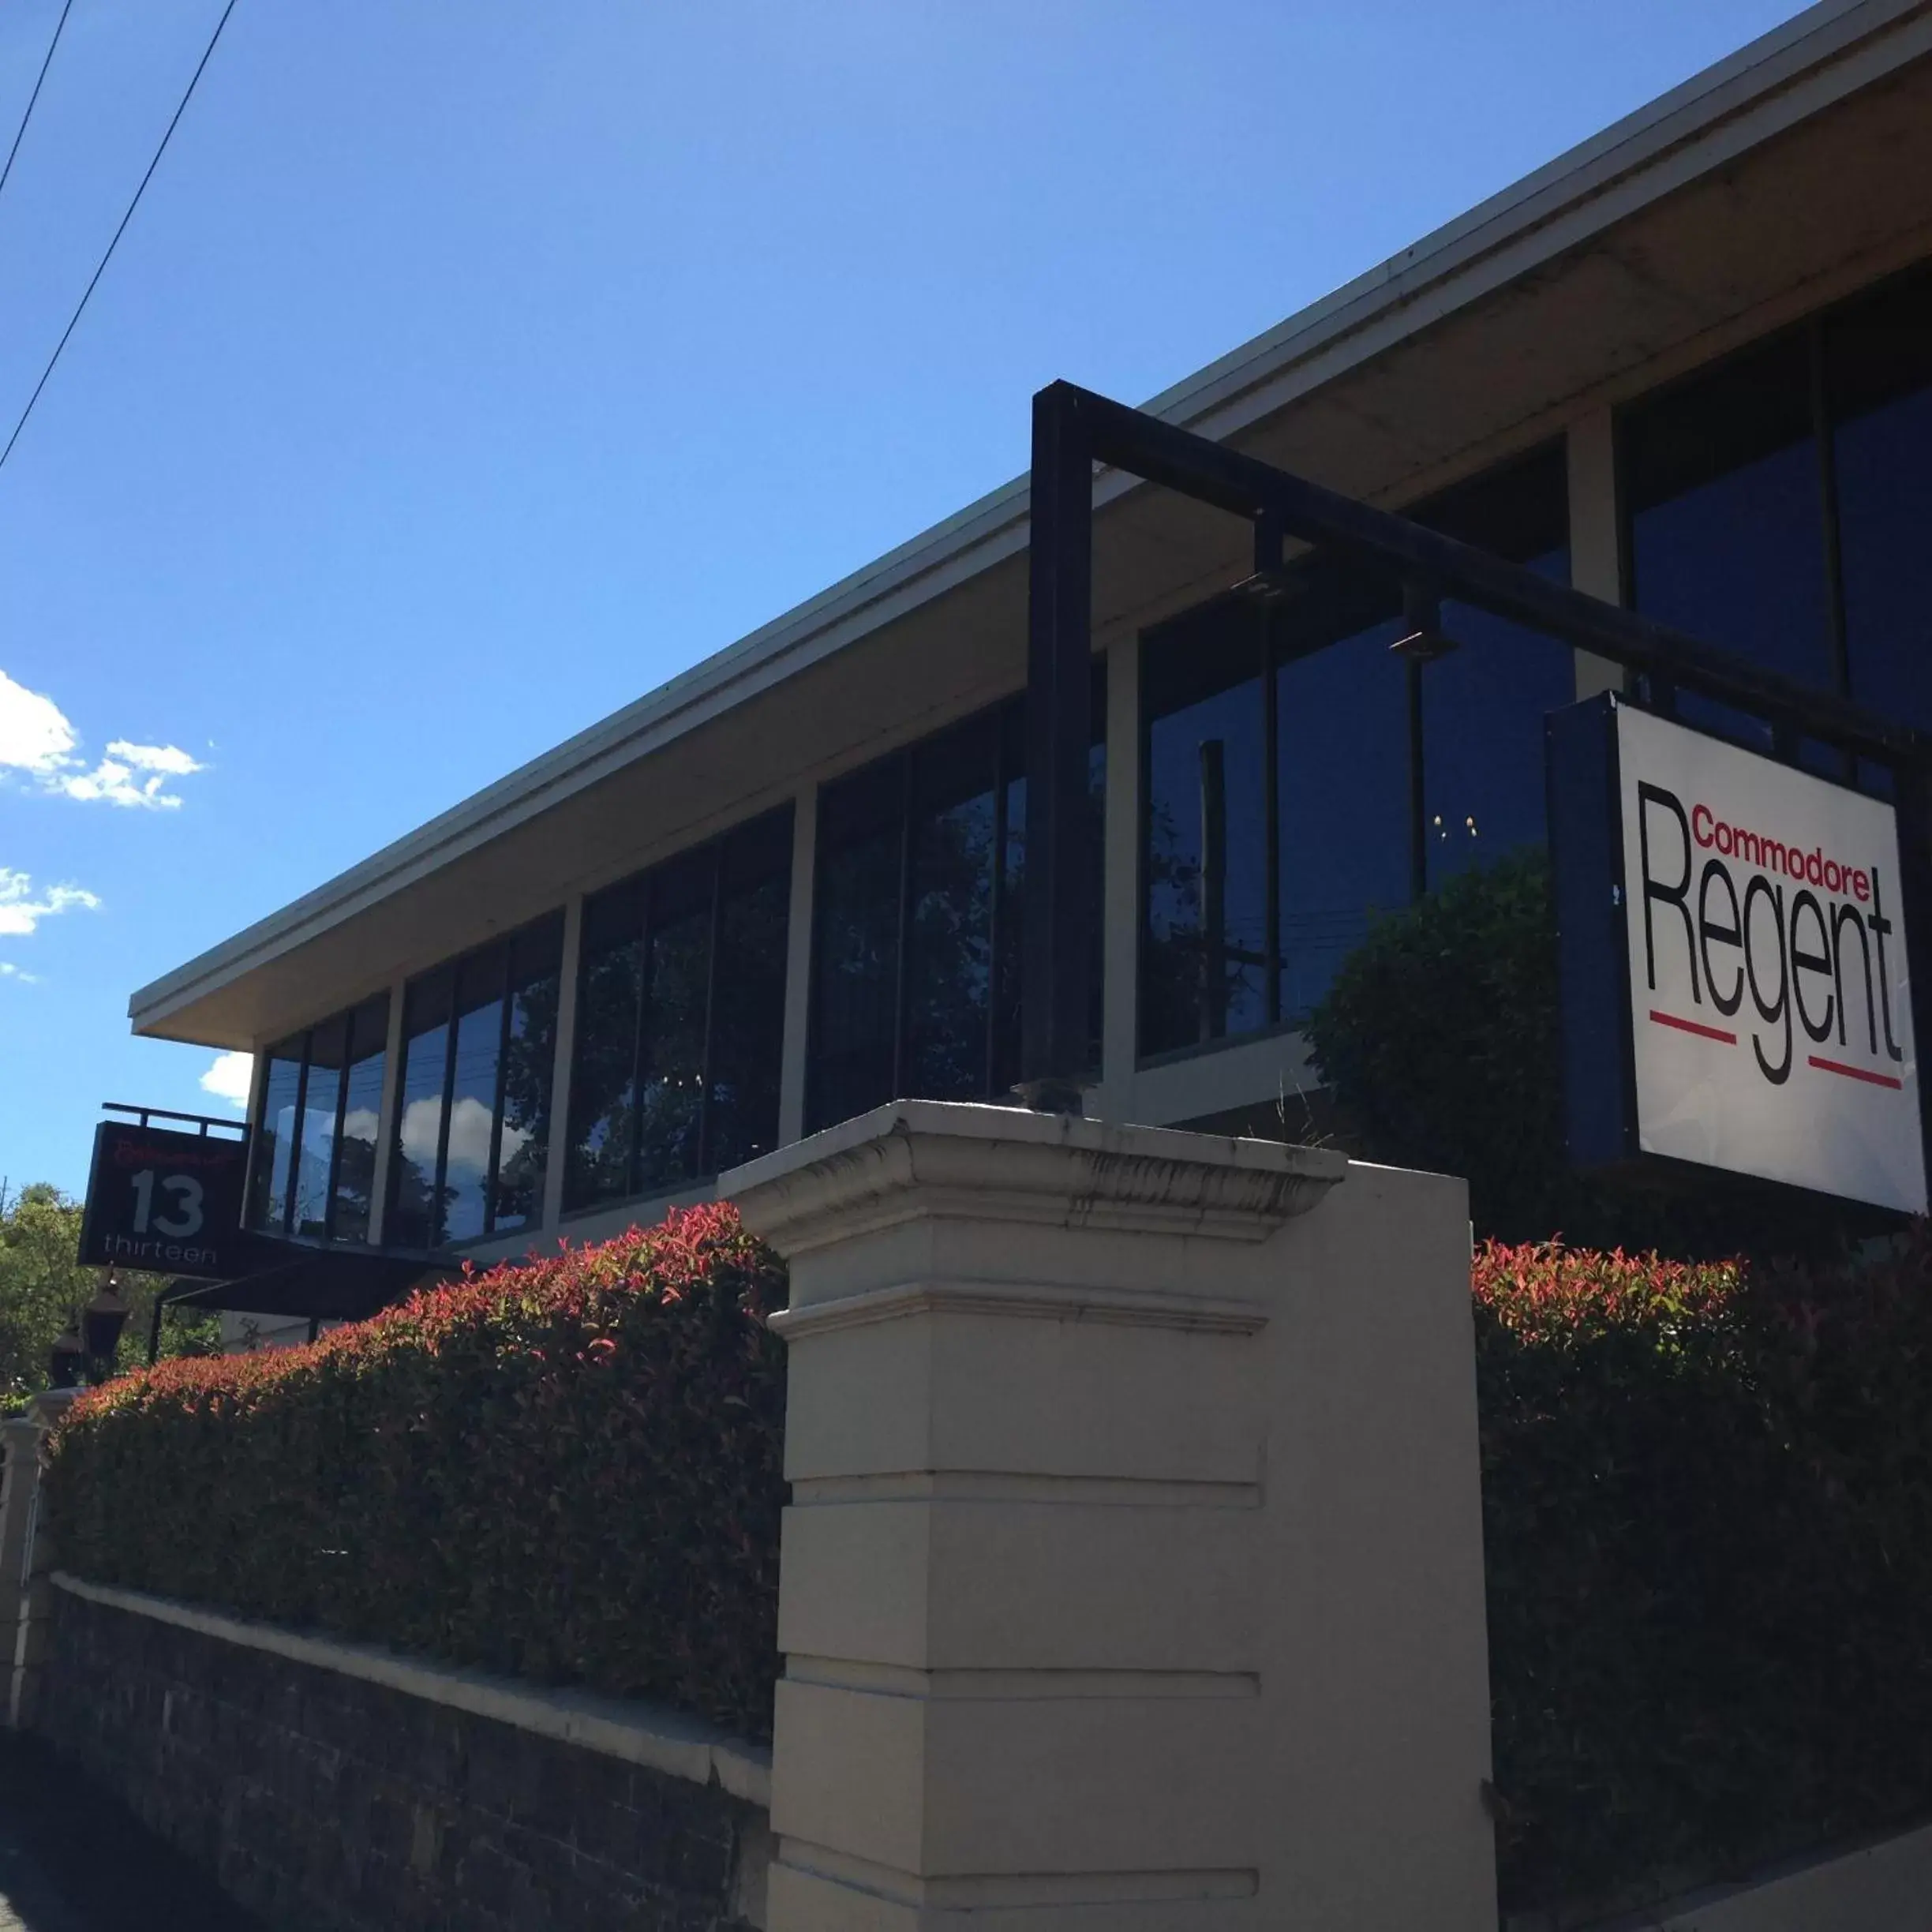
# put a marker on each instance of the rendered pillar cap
(977, 1162)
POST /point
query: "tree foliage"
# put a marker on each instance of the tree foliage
(1441, 1043)
(41, 1287)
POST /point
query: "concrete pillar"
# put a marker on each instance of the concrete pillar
(1595, 533)
(1133, 1574)
(26, 1631)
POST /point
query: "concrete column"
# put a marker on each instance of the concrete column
(33, 1599)
(1595, 533)
(19, 1484)
(1132, 1581)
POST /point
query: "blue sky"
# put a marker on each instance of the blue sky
(470, 369)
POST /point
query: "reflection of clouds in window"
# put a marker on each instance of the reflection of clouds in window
(359, 1124)
(469, 1135)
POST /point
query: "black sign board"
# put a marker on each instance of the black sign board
(169, 1203)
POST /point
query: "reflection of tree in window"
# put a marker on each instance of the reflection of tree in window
(529, 1072)
(680, 1010)
(916, 950)
(414, 1215)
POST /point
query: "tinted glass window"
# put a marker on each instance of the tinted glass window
(677, 985)
(275, 1136)
(315, 1154)
(1723, 491)
(355, 1157)
(414, 1218)
(747, 1026)
(528, 1070)
(1484, 704)
(471, 1127)
(1205, 963)
(950, 912)
(856, 942)
(1878, 354)
(681, 1017)
(604, 1062)
(1345, 819)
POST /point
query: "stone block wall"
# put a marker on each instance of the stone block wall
(326, 1804)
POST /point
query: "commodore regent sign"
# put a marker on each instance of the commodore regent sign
(1736, 989)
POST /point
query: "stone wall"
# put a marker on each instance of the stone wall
(325, 1801)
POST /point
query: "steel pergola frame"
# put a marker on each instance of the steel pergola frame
(1075, 429)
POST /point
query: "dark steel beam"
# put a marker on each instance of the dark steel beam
(1073, 429)
(1059, 901)
(1144, 445)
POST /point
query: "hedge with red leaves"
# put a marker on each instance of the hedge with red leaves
(567, 1468)
(1707, 1494)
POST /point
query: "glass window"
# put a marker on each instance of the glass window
(677, 987)
(315, 1129)
(680, 1017)
(413, 1218)
(528, 1070)
(362, 1097)
(917, 933)
(479, 1051)
(275, 1136)
(603, 1055)
(1284, 808)
(953, 859)
(747, 1025)
(1484, 704)
(1723, 487)
(857, 883)
(1346, 821)
(1878, 356)
(315, 1161)
(1206, 963)
(474, 1063)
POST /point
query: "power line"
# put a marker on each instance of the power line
(101, 269)
(19, 133)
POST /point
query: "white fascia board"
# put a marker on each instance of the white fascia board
(1824, 53)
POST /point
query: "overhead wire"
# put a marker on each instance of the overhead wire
(19, 133)
(101, 268)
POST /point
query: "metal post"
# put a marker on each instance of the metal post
(1058, 905)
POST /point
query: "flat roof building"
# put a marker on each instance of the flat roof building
(1686, 368)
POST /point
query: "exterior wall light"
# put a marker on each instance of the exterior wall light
(101, 1323)
(1423, 640)
(68, 1363)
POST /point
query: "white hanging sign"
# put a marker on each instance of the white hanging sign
(1769, 986)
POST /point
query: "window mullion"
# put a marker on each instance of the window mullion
(496, 1091)
(295, 1139)
(436, 1204)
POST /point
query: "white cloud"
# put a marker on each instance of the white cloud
(34, 736)
(20, 912)
(10, 970)
(37, 740)
(228, 1078)
(469, 1137)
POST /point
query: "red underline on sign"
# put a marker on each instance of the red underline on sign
(1852, 1073)
(1692, 1026)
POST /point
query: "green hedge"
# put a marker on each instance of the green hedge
(569, 1468)
(1707, 1494)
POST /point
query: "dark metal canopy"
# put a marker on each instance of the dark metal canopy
(318, 1284)
(1075, 430)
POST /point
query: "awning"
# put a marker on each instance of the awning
(316, 1284)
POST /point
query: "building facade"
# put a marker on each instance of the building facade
(1686, 368)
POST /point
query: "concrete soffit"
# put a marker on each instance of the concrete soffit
(1820, 57)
